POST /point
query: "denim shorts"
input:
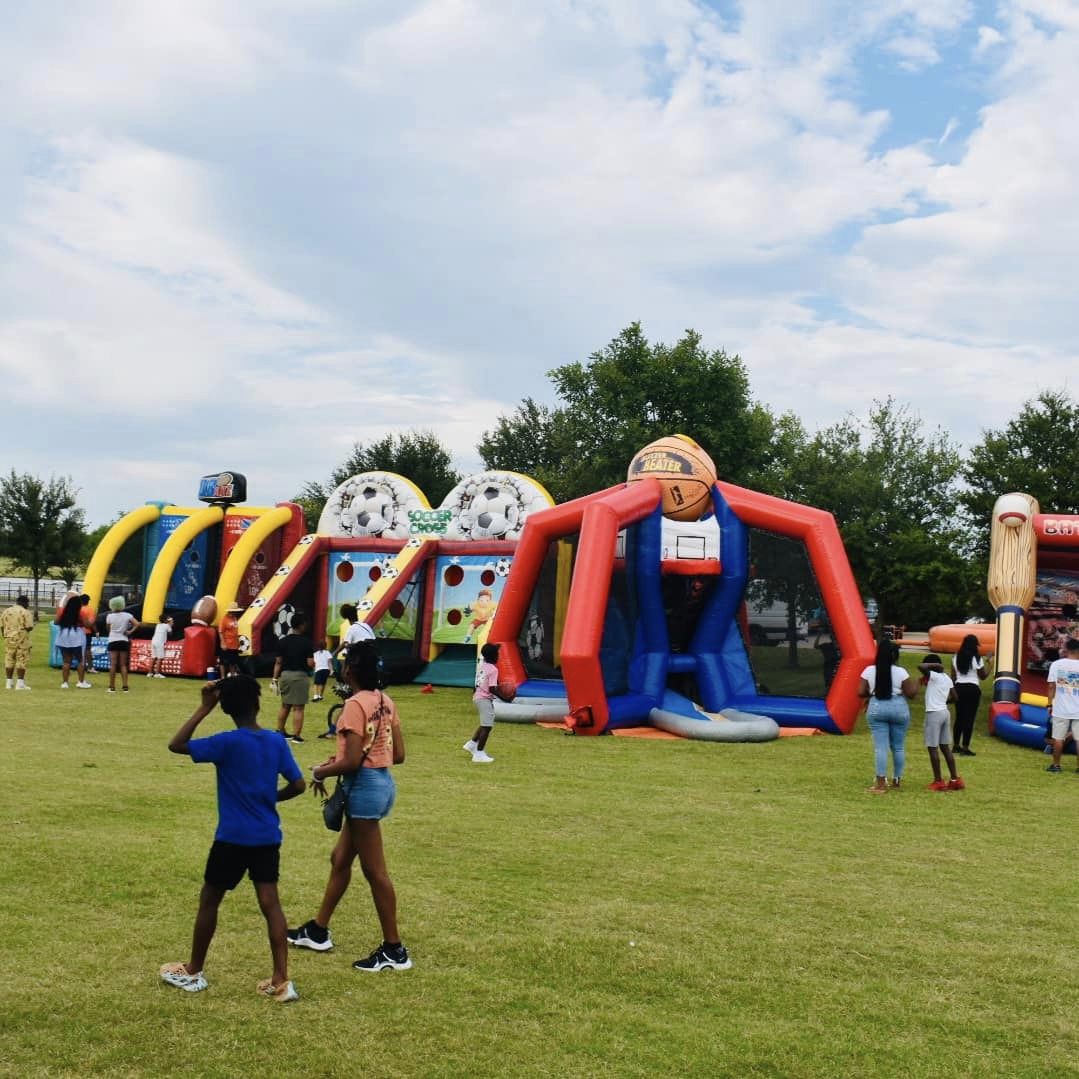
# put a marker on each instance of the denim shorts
(371, 793)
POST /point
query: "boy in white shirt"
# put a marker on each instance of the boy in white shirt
(157, 646)
(938, 736)
(323, 663)
(1062, 689)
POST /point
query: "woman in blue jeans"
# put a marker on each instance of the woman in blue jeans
(888, 687)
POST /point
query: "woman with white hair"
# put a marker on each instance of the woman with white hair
(121, 625)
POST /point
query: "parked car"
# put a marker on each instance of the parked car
(770, 625)
(818, 620)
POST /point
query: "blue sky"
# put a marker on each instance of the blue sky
(245, 235)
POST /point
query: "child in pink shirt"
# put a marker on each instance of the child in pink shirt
(484, 700)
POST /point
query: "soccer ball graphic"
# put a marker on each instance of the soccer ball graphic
(492, 514)
(370, 513)
(282, 620)
(502, 567)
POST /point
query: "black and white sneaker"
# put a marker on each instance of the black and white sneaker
(391, 956)
(311, 935)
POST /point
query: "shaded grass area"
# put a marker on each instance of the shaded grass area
(583, 907)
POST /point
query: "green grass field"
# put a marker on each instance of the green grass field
(583, 907)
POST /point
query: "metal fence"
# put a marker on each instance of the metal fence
(50, 591)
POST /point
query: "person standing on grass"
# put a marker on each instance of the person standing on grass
(121, 625)
(887, 686)
(323, 663)
(369, 741)
(15, 625)
(967, 672)
(1062, 689)
(71, 640)
(87, 616)
(248, 838)
(484, 700)
(292, 676)
(229, 635)
(157, 646)
(938, 738)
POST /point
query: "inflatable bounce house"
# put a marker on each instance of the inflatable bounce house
(426, 580)
(639, 605)
(1034, 587)
(197, 561)
(651, 584)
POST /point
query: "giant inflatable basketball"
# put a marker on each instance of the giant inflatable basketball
(685, 472)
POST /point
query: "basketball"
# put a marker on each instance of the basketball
(685, 472)
(507, 691)
(204, 612)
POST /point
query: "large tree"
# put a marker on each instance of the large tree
(629, 393)
(41, 526)
(893, 490)
(419, 456)
(1034, 453)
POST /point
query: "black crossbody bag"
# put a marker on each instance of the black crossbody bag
(334, 806)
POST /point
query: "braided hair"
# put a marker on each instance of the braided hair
(967, 654)
(887, 654)
(363, 661)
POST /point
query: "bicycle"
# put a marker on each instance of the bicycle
(343, 692)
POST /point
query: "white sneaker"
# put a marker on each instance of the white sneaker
(83, 685)
(480, 757)
(64, 685)
(20, 684)
(110, 691)
(159, 676)
(176, 974)
(10, 684)
(281, 993)
(149, 674)
(469, 746)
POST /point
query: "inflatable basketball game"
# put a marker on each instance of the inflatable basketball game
(660, 572)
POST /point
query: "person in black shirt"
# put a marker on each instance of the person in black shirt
(292, 675)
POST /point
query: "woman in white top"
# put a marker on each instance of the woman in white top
(121, 626)
(887, 687)
(967, 671)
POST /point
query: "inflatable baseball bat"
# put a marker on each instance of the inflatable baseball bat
(1012, 561)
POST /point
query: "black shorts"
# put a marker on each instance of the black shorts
(229, 656)
(119, 646)
(321, 677)
(228, 862)
(72, 655)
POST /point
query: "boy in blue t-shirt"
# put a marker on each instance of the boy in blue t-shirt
(248, 838)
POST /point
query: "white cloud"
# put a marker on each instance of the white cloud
(914, 53)
(988, 37)
(249, 238)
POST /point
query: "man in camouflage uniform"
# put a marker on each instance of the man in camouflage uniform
(15, 626)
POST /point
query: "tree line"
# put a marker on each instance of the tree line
(912, 508)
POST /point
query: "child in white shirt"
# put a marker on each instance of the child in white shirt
(938, 736)
(157, 646)
(323, 663)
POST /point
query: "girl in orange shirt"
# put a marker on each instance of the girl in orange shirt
(369, 741)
